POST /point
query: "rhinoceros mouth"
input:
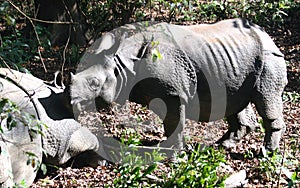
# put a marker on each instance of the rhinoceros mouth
(98, 103)
(102, 104)
(81, 104)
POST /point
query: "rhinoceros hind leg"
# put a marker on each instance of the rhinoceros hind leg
(239, 125)
(271, 112)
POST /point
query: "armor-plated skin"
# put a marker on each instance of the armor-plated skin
(203, 72)
(62, 139)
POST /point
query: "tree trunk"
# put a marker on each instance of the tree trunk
(63, 11)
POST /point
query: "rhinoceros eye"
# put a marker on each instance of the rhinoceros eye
(94, 83)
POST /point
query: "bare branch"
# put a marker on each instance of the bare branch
(38, 20)
(6, 64)
(35, 32)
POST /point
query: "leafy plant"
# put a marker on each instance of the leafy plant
(11, 113)
(266, 13)
(249, 154)
(106, 15)
(21, 42)
(269, 166)
(14, 50)
(198, 169)
(13, 116)
(295, 178)
(130, 137)
(134, 168)
(292, 97)
(13, 47)
(273, 165)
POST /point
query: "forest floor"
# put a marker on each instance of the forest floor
(242, 157)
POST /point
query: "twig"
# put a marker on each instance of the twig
(38, 20)
(64, 58)
(56, 177)
(6, 64)
(66, 46)
(41, 57)
(34, 29)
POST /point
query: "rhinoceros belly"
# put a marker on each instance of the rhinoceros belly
(216, 100)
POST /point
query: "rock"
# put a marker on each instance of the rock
(236, 180)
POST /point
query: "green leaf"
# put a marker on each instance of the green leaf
(156, 55)
(44, 168)
(3, 101)
(10, 20)
(4, 6)
(181, 179)
(150, 169)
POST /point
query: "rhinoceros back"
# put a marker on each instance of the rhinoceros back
(228, 57)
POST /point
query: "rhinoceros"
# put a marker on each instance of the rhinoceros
(61, 138)
(203, 72)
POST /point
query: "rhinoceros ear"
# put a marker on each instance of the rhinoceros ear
(104, 43)
(131, 53)
(72, 76)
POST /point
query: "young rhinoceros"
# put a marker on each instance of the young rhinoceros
(61, 140)
(203, 72)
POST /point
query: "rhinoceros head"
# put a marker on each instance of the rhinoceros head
(101, 64)
(99, 78)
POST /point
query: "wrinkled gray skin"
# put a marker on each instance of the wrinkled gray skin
(205, 72)
(63, 139)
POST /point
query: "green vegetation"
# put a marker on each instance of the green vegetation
(134, 168)
(12, 115)
(24, 40)
(273, 166)
(292, 97)
(266, 13)
(198, 168)
(19, 43)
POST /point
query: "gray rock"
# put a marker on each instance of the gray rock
(236, 180)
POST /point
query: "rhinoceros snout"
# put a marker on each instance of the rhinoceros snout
(81, 104)
(102, 104)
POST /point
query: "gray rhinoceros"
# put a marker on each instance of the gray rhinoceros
(21, 147)
(203, 72)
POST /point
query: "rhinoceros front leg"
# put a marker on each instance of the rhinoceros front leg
(240, 124)
(174, 123)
